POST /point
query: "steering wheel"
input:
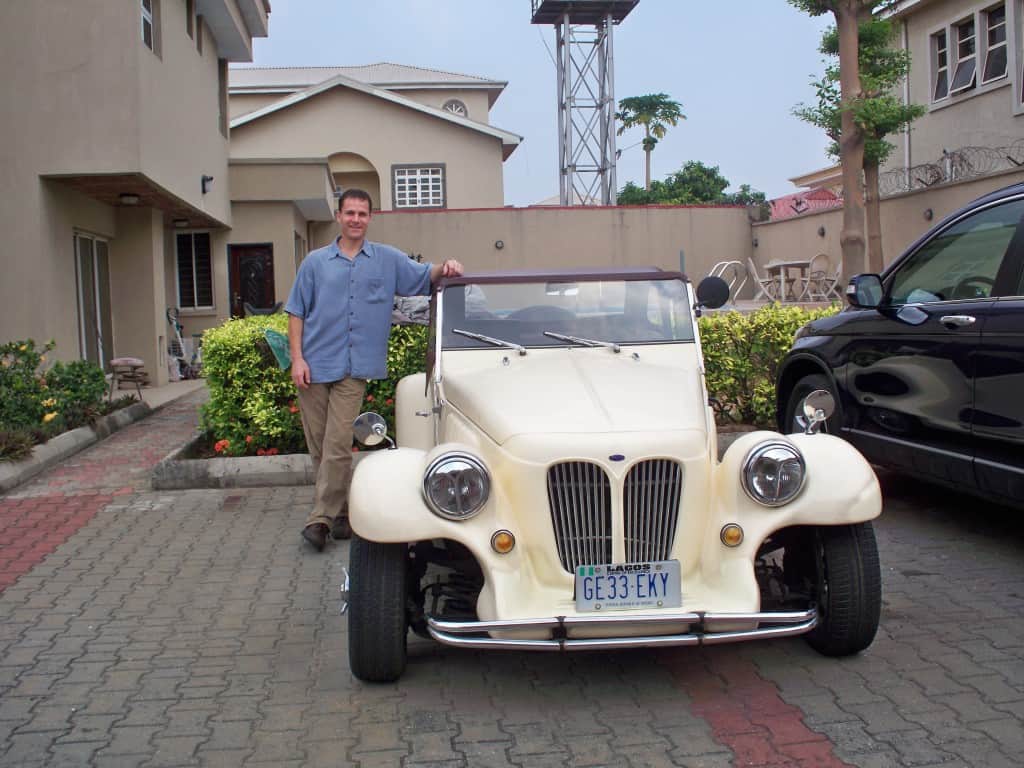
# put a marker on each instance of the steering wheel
(961, 290)
(542, 313)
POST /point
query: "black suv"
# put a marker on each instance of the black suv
(927, 362)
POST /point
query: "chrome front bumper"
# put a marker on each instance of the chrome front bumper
(463, 634)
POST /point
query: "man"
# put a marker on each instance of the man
(340, 319)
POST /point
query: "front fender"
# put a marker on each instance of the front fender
(840, 488)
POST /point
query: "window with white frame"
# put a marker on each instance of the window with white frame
(971, 53)
(995, 44)
(940, 52)
(151, 25)
(418, 186)
(195, 273)
(965, 73)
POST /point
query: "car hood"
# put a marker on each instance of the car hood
(577, 391)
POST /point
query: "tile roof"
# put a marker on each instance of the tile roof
(382, 74)
(806, 201)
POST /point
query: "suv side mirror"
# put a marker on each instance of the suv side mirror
(864, 291)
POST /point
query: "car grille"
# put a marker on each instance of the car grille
(651, 508)
(580, 498)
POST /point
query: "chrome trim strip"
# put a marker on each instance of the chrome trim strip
(453, 632)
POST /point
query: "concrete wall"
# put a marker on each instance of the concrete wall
(343, 120)
(567, 237)
(138, 288)
(903, 221)
(178, 135)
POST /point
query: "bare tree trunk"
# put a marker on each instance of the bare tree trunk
(876, 259)
(647, 156)
(851, 141)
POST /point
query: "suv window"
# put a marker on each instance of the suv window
(961, 262)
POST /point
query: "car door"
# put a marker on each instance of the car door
(998, 418)
(911, 363)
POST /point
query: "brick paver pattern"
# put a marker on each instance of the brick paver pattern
(145, 628)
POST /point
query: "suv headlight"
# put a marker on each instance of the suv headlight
(456, 486)
(773, 473)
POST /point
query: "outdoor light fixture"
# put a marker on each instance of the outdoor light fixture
(821, 231)
(205, 183)
(180, 223)
(499, 244)
(928, 214)
(128, 198)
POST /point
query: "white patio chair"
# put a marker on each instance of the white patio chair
(767, 286)
(731, 272)
(814, 280)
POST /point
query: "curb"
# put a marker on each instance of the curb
(60, 447)
(176, 474)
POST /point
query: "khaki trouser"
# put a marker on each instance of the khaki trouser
(328, 411)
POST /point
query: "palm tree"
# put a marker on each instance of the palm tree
(655, 112)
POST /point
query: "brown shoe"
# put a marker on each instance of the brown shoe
(316, 535)
(340, 528)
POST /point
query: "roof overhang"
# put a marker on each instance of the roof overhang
(509, 141)
(233, 24)
(305, 182)
(108, 188)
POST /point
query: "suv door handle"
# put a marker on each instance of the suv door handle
(957, 321)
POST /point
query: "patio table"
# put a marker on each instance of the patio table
(780, 269)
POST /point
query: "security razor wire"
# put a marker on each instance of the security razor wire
(954, 165)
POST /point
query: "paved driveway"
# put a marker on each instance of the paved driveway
(191, 628)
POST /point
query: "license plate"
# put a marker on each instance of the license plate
(630, 585)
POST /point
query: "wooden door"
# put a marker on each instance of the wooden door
(251, 269)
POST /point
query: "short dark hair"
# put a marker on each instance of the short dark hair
(355, 194)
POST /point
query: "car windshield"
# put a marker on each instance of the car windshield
(543, 314)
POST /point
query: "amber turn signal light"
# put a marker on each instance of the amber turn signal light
(731, 535)
(502, 542)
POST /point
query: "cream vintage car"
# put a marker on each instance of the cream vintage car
(556, 486)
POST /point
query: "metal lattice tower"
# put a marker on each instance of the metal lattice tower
(586, 94)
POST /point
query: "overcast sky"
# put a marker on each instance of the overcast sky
(738, 69)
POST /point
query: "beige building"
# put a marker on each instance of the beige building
(415, 139)
(967, 68)
(115, 140)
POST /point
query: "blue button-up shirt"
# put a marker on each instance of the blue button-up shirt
(345, 306)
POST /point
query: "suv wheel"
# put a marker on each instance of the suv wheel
(804, 387)
(849, 589)
(377, 620)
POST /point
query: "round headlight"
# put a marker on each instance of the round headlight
(456, 486)
(773, 474)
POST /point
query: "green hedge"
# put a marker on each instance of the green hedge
(36, 403)
(253, 408)
(742, 353)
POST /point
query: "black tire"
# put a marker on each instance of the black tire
(849, 589)
(377, 619)
(804, 387)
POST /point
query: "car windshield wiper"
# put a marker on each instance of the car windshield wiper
(584, 342)
(491, 340)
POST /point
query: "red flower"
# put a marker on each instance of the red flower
(293, 409)
(220, 445)
(260, 452)
(271, 452)
(369, 398)
(389, 401)
(355, 449)
(248, 439)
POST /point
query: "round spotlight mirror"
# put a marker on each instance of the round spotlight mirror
(370, 429)
(817, 407)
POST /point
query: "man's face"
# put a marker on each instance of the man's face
(354, 218)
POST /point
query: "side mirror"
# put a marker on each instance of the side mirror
(864, 291)
(817, 407)
(370, 429)
(712, 292)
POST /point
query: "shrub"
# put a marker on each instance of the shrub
(253, 406)
(22, 385)
(15, 444)
(76, 392)
(742, 353)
